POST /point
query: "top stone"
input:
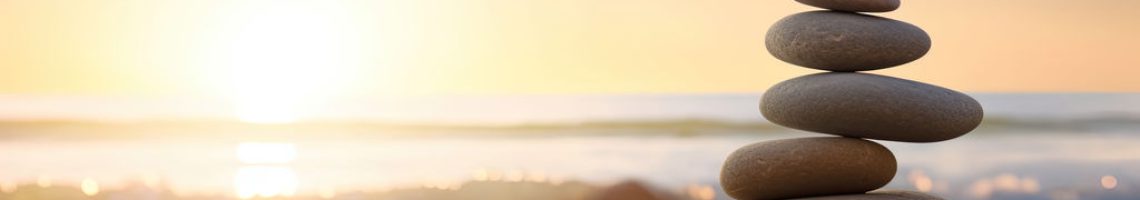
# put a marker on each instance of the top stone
(855, 5)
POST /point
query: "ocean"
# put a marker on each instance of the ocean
(1031, 146)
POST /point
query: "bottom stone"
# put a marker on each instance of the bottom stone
(806, 167)
(881, 195)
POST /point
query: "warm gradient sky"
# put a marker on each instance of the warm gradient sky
(361, 47)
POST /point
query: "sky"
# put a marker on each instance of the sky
(282, 49)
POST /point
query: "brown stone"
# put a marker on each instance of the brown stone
(845, 42)
(871, 106)
(881, 195)
(806, 167)
(855, 5)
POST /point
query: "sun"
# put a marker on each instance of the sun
(282, 58)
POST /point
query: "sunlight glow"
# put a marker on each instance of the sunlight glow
(921, 181)
(538, 177)
(326, 192)
(1108, 182)
(89, 187)
(1030, 185)
(262, 180)
(266, 153)
(265, 181)
(1006, 183)
(152, 180)
(701, 192)
(286, 57)
(515, 176)
(8, 186)
(43, 181)
(480, 175)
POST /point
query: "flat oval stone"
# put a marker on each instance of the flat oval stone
(881, 195)
(855, 5)
(845, 42)
(806, 167)
(871, 106)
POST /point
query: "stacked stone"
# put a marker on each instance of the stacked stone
(847, 103)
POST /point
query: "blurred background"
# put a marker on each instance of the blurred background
(521, 99)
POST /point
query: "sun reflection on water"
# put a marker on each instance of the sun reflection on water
(89, 187)
(152, 181)
(480, 175)
(1006, 182)
(326, 192)
(920, 180)
(266, 153)
(265, 181)
(538, 177)
(1030, 185)
(43, 181)
(266, 176)
(515, 176)
(442, 184)
(8, 186)
(701, 192)
(1108, 182)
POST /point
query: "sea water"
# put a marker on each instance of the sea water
(1033, 146)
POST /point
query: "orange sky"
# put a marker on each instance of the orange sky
(153, 47)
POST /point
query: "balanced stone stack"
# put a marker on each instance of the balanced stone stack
(845, 102)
